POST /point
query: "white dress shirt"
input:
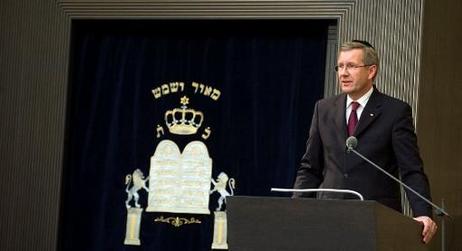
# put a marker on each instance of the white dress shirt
(362, 103)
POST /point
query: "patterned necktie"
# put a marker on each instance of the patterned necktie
(353, 119)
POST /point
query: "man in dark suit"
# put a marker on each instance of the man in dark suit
(384, 128)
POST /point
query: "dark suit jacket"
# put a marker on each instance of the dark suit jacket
(385, 134)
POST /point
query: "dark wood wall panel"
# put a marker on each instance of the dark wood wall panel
(440, 108)
(33, 74)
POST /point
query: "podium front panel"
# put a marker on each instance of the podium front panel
(279, 224)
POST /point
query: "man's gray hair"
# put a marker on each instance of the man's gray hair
(370, 54)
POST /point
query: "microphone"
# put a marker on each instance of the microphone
(351, 144)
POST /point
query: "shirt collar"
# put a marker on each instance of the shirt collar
(362, 100)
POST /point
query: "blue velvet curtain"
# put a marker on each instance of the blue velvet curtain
(269, 73)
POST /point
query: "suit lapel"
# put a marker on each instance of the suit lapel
(340, 120)
(370, 112)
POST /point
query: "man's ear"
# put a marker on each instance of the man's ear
(372, 72)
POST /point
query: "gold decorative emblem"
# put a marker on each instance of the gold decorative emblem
(132, 232)
(177, 221)
(139, 182)
(220, 231)
(220, 228)
(180, 182)
(220, 186)
(184, 121)
(134, 182)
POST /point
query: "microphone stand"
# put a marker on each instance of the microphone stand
(439, 210)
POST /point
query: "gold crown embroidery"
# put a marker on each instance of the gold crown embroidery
(184, 120)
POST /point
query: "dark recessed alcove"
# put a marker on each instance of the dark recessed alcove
(269, 73)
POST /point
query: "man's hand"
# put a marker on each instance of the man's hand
(429, 227)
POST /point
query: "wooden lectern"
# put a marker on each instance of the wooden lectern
(280, 224)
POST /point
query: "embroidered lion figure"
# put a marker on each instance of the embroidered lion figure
(220, 186)
(137, 182)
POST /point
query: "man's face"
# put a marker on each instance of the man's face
(354, 81)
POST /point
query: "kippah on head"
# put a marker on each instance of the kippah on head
(364, 43)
